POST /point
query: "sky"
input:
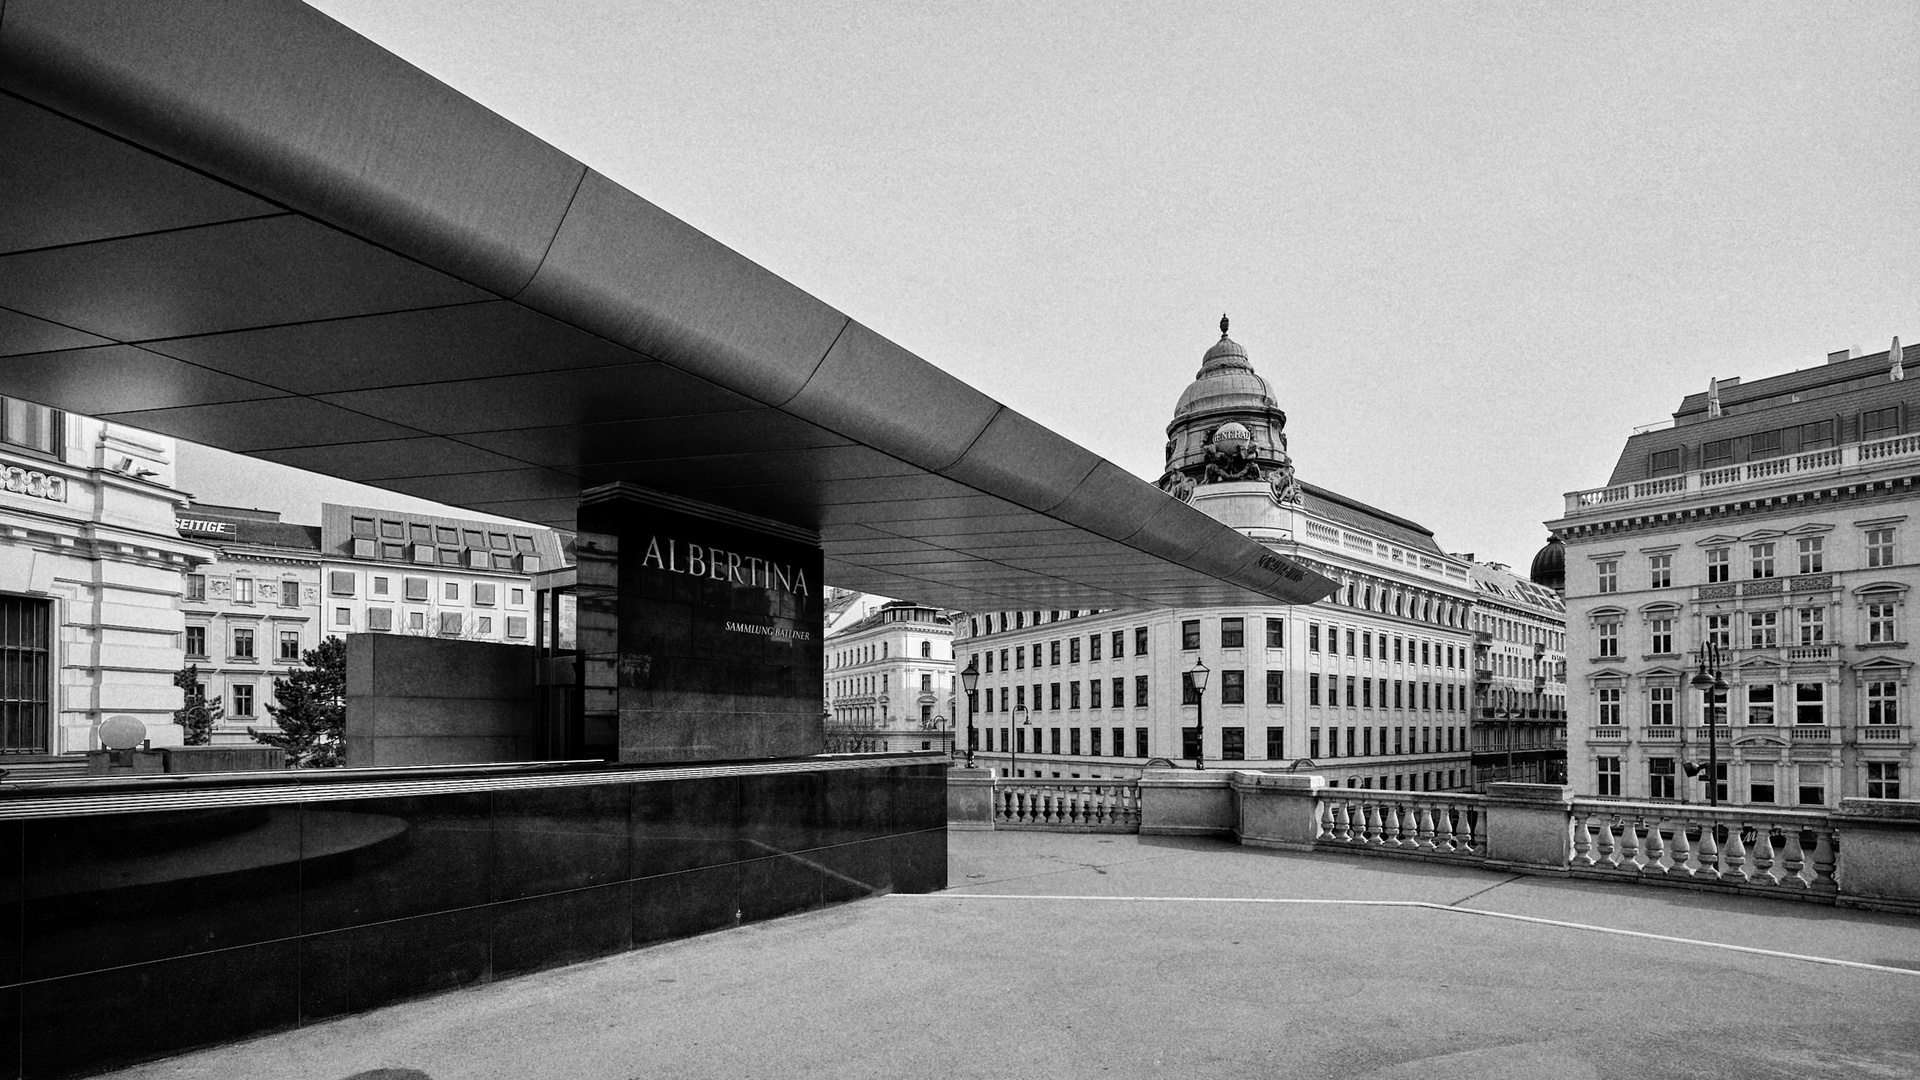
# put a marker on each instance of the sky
(1471, 246)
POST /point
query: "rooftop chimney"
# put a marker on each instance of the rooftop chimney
(1838, 357)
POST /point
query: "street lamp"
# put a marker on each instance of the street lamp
(1020, 722)
(1198, 676)
(969, 681)
(1710, 684)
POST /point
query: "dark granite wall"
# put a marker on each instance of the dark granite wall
(704, 637)
(438, 701)
(131, 936)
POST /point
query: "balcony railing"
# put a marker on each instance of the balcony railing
(1731, 478)
(1528, 828)
(1881, 733)
(1607, 733)
(1721, 733)
(1067, 805)
(1660, 733)
(1811, 733)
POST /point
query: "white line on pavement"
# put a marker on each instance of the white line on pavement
(1424, 904)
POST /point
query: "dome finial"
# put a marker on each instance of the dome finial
(1223, 326)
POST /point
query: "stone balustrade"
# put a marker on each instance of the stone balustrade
(1829, 462)
(1522, 828)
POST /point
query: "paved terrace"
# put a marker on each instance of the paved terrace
(1076, 954)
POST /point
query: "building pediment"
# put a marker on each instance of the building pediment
(1753, 738)
(1716, 540)
(1761, 534)
(1880, 587)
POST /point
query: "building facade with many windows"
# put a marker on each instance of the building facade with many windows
(1370, 686)
(1769, 537)
(1519, 679)
(889, 681)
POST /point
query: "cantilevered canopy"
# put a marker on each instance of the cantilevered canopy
(242, 224)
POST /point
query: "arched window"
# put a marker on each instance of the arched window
(926, 649)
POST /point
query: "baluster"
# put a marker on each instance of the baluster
(1470, 833)
(1763, 860)
(1826, 848)
(1372, 823)
(1443, 829)
(1582, 840)
(1654, 849)
(1710, 851)
(1390, 824)
(1426, 827)
(1680, 852)
(1349, 831)
(1795, 861)
(1630, 845)
(1735, 854)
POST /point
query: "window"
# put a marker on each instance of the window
(1019, 660)
(1093, 647)
(1720, 630)
(242, 643)
(1233, 687)
(1813, 785)
(289, 644)
(1094, 687)
(1140, 744)
(380, 619)
(1276, 688)
(1810, 703)
(487, 594)
(450, 622)
(1276, 743)
(1813, 558)
(1883, 780)
(35, 427)
(1139, 642)
(1609, 636)
(926, 682)
(1817, 435)
(242, 699)
(1660, 571)
(1233, 744)
(1607, 571)
(1880, 624)
(1351, 695)
(1189, 742)
(1119, 693)
(1721, 789)
(1366, 646)
(1879, 423)
(416, 589)
(342, 616)
(416, 620)
(1663, 462)
(1366, 693)
(1660, 778)
(340, 583)
(1276, 633)
(1760, 704)
(516, 626)
(1718, 565)
(1760, 782)
(1760, 556)
(1189, 695)
(1119, 644)
(1813, 625)
(1139, 693)
(1660, 706)
(1716, 453)
(1349, 643)
(1313, 742)
(451, 590)
(1313, 689)
(1093, 737)
(381, 585)
(196, 586)
(1662, 633)
(1073, 694)
(1610, 705)
(1190, 634)
(1073, 740)
(1233, 633)
(243, 590)
(1763, 629)
(1879, 547)
(1607, 776)
(1883, 702)
(1333, 640)
(1053, 654)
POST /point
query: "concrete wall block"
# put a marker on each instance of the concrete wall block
(1186, 802)
(1529, 827)
(969, 799)
(1277, 811)
(1879, 854)
(139, 616)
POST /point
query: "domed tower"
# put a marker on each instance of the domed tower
(1228, 428)
(1549, 569)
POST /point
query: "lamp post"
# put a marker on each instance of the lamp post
(1198, 676)
(969, 681)
(1710, 684)
(1020, 722)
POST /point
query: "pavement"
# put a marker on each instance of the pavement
(1075, 955)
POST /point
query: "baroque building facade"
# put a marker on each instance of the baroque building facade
(1370, 686)
(1519, 679)
(889, 680)
(1767, 537)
